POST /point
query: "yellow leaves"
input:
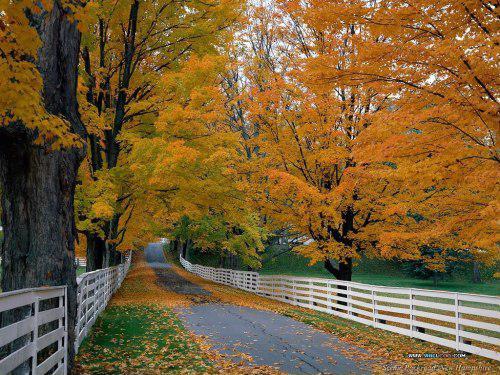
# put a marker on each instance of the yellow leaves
(21, 83)
(189, 166)
(95, 199)
(393, 128)
(397, 209)
(102, 209)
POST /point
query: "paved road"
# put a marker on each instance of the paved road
(268, 338)
(168, 278)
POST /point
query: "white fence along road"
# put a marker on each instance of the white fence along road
(44, 310)
(464, 322)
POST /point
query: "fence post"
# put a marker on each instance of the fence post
(374, 308)
(34, 358)
(457, 326)
(412, 317)
(66, 330)
(86, 310)
(329, 298)
(311, 302)
(349, 297)
(62, 341)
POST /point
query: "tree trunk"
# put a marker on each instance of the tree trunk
(188, 248)
(476, 276)
(95, 252)
(37, 215)
(117, 258)
(113, 146)
(111, 256)
(344, 270)
(175, 248)
(184, 248)
(106, 260)
(38, 183)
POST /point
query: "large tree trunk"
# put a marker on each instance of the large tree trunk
(37, 183)
(37, 215)
(343, 272)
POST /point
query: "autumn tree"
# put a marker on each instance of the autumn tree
(190, 165)
(127, 48)
(310, 179)
(438, 61)
(40, 146)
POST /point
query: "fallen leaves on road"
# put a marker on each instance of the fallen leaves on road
(138, 333)
(387, 350)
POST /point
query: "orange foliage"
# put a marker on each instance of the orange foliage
(377, 126)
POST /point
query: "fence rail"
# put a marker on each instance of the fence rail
(465, 322)
(33, 330)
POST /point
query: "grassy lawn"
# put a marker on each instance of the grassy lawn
(368, 271)
(140, 339)
(373, 271)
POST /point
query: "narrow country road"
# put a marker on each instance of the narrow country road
(267, 337)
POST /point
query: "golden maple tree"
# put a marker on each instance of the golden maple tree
(438, 60)
(377, 126)
(190, 166)
(309, 177)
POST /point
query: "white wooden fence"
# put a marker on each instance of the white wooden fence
(39, 334)
(465, 322)
(29, 303)
(94, 291)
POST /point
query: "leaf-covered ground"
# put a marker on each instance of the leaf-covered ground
(388, 349)
(139, 338)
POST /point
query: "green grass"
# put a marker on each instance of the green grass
(368, 271)
(137, 339)
(80, 270)
(372, 271)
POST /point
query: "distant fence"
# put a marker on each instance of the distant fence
(38, 334)
(464, 322)
(81, 262)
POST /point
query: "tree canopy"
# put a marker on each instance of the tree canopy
(355, 127)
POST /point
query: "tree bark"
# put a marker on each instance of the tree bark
(343, 272)
(112, 145)
(175, 248)
(112, 149)
(95, 252)
(37, 183)
(185, 249)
